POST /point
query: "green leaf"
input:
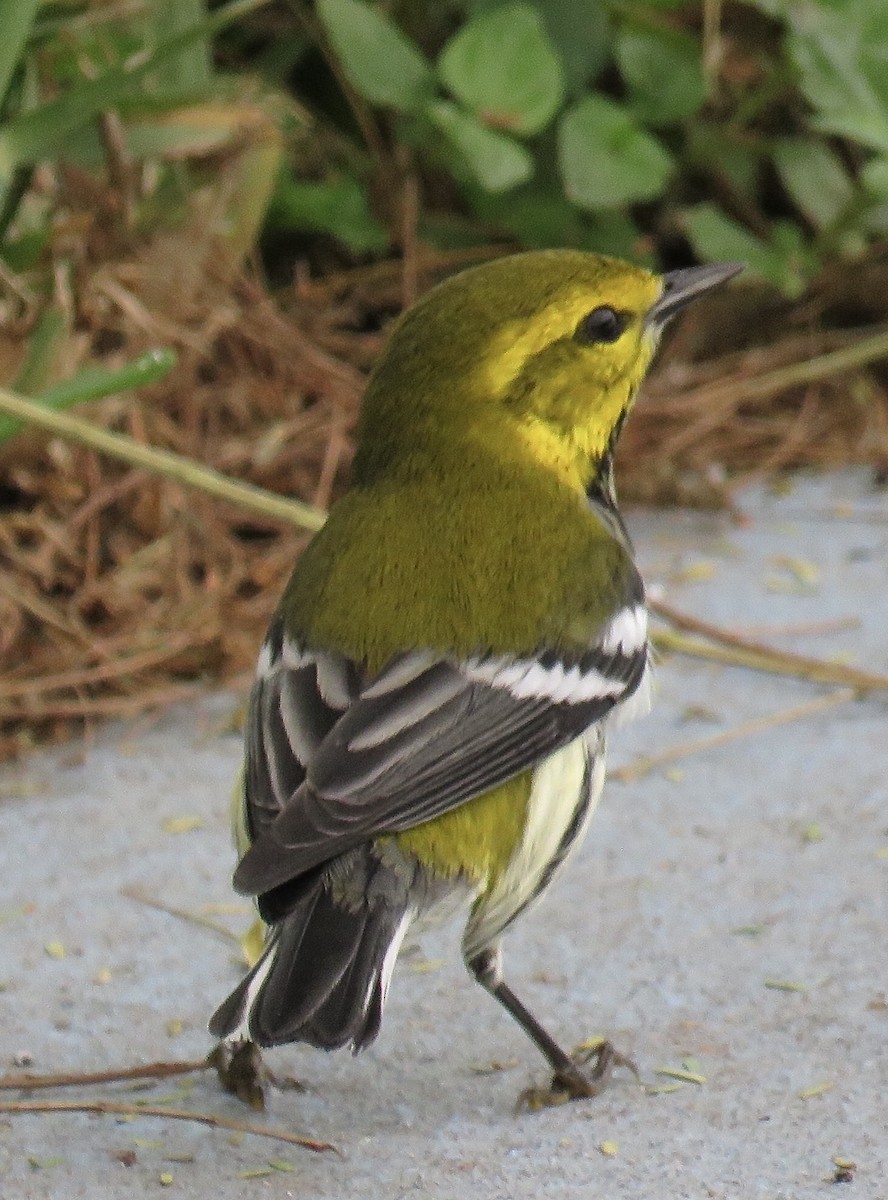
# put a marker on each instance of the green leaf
(503, 67)
(538, 219)
(91, 383)
(615, 233)
(385, 67)
(711, 149)
(606, 160)
(491, 159)
(784, 261)
(715, 237)
(39, 133)
(338, 207)
(16, 20)
(841, 55)
(874, 177)
(664, 74)
(581, 34)
(541, 219)
(814, 178)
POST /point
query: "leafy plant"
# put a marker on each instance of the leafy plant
(613, 123)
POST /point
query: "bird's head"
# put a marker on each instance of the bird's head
(545, 349)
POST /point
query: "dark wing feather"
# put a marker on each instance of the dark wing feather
(294, 703)
(422, 738)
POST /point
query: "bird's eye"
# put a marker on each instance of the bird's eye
(601, 325)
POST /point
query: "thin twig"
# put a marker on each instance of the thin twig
(112, 1108)
(409, 226)
(162, 462)
(726, 393)
(130, 665)
(739, 651)
(181, 913)
(649, 762)
(804, 628)
(104, 706)
(155, 1070)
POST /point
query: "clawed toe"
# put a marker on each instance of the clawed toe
(572, 1082)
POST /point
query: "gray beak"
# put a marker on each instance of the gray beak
(681, 287)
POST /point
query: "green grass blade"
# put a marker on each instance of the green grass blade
(16, 20)
(40, 133)
(43, 345)
(92, 383)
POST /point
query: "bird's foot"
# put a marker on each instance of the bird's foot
(573, 1081)
(242, 1072)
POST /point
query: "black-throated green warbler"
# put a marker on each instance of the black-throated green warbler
(432, 699)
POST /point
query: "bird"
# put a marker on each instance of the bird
(431, 705)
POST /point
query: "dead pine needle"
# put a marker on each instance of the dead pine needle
(650, 762)
(113, 1108)
(182, 914)
(735, 650)
(155, 1070)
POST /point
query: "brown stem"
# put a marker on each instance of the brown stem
(171, 1114)
(156, 1070)
(745, 652)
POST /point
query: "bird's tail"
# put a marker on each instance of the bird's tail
(323, 976)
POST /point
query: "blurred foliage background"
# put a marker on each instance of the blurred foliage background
(224, 205)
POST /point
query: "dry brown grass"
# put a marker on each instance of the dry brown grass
(120, 592)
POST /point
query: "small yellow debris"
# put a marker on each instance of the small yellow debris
(492, 1067)
(802, 569)
(749, 930)
(697, 572)
(785, 985)
(674, 774)
(817, 1089)
(882, 852)
(423, 966)
(609, 1149)
(844, 1170)
(812, 833)
(662, 1089)
(182, 824)
(55, 949)
(174, 1027)
(256, 1173)
(699, 712)
(681, 1073)
(166, 1178)
(590, 1045)
(224, 910)
(102, 976)
(281, 1164)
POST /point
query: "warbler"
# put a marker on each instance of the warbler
(432, 700)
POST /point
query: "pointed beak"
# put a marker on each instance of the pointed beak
(681, 287)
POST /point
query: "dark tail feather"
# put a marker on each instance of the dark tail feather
(320, 979)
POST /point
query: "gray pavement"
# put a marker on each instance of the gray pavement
(762, 860)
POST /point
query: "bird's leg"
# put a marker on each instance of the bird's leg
(569, 1081)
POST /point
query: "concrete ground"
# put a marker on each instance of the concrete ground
(729, 912)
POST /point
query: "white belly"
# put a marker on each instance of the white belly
(559, 786)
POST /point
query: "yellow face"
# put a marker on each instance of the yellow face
(552, 344)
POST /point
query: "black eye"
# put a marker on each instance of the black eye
(601, 325)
